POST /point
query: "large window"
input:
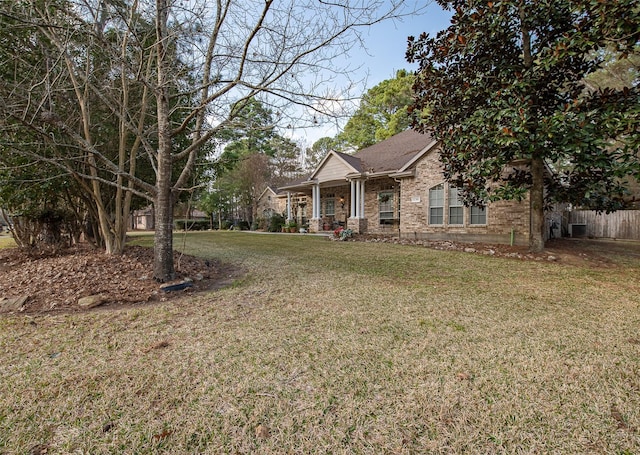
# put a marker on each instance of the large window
(456, 207)
(386, 205)
(436, 204)
(478, 215)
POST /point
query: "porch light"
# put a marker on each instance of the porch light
(342, 202)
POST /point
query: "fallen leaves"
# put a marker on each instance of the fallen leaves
(159, 345)
(620, 420)
(40, 449)
(262, 432)
(66, 281)
(161, 436)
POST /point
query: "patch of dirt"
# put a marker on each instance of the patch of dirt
(56, 283)
(580, 252)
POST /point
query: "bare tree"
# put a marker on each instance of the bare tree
(167, 76)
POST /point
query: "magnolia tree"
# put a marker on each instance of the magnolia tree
(503, 90)
(112, 87)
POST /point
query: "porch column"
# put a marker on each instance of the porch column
(315, 223)
(315, 202)
(358, 196)
(362, 193)
(352, 199)
(358, 221)
(288, 206)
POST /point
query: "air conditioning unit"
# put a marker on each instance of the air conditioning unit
(577, 230)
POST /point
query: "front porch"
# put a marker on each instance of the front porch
(364, 206)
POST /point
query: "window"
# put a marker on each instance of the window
(478, 215)
(456, 207)
(436, 204)
(330, 207)
(385, 205)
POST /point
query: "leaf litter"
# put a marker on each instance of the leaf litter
(56, 283)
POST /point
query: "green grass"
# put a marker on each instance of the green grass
(338, 347)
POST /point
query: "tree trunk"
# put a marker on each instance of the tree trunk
(536, 205)
(536, 194)
(163, 270)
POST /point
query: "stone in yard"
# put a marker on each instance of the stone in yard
(176, 287)
(13, 304)
(91, 301)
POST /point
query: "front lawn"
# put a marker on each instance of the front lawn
(6, 241)
(339, 347)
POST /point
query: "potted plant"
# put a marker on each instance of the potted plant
(293, 226)
(384, 197)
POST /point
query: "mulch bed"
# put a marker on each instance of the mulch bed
(55, 283)
(580, 252)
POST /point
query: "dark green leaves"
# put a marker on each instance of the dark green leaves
(505, 83)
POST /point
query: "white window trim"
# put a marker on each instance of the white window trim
(430, 207)
(450, 206)
(392, 199)
(486, 217)
(446, 210)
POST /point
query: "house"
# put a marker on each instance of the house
(143, 219)
(293, 205)
(270, 204)
(4, 222)
(397, 187)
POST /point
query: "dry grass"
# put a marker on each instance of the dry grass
(333, 347)
(6, 241)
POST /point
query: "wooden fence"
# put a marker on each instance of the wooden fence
(623, 224)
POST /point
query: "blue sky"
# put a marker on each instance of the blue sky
(386, 44)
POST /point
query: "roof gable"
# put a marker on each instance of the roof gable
(335, 166)
(389, 157)
(268, 189)
(395, 153)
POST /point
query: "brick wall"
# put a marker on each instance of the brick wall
(270, 201)
(340, 214)
(502, 216)
(372, 205)
(412, 193)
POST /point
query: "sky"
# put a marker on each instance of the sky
(386, 45)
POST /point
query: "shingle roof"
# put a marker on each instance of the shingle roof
(388, 156)
(352, 160)
(393, 153)
(300, 181)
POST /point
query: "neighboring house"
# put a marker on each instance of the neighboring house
(269, 203)
(397, 187)
(4, 223)
(186, 211)
(294, 206)
(143, 219)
